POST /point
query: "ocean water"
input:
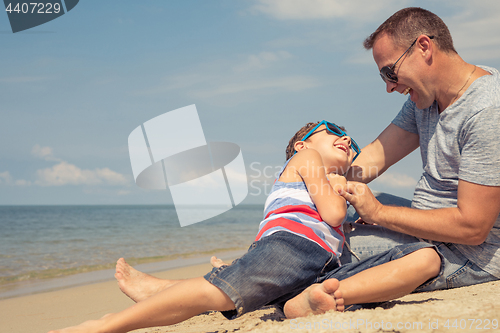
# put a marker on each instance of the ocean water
(46, 242)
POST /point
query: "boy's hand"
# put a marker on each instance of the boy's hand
(338, 182)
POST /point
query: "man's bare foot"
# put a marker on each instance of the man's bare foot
(216, 262)
(316, 299)
(138, 285)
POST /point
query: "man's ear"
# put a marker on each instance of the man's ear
(299, 145)
(425, 46)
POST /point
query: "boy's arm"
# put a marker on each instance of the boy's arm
(330, 205)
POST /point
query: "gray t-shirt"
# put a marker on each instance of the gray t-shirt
(463, 142)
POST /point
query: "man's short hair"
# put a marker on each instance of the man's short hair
(409, 23)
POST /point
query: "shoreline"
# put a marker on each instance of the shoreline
(36, 286)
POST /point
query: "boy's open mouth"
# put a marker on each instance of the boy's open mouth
(406, 91)
(342, 147)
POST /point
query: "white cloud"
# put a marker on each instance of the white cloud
(475, 29)
(324, 9)
(396, 180)
(291, 83)
(23, 79)
(5, 177)
(65, 173)
(22, 182)
(45, 153)
(261, 61)
(123, 192)
(474, 25)
(256, 73)
(68, 174)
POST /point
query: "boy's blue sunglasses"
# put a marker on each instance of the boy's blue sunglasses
(334, 129)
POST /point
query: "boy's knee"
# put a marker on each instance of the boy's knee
(212, 295)
(430, 261)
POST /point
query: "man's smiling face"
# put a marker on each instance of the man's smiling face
(408, 69)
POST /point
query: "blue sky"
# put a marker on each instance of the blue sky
(74, 88)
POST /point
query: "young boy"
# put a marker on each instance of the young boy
(298, 245)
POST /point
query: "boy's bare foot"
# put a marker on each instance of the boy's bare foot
(138, 285)
(316, 299)
(216, 262)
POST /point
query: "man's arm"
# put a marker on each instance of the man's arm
(393, 144)
(469, 223)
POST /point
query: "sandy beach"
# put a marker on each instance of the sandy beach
(475, 308)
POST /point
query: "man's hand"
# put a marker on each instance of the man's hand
(363, 200)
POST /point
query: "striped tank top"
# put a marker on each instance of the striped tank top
(289, 208)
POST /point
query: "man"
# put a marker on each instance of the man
(453, 115)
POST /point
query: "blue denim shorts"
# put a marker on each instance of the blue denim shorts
(275, 269)
(350, 269)
(364, 241)
(458, 271)
(399, 251)
(280, 266)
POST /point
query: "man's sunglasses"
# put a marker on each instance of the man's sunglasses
(334, 129)
(387, 73)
